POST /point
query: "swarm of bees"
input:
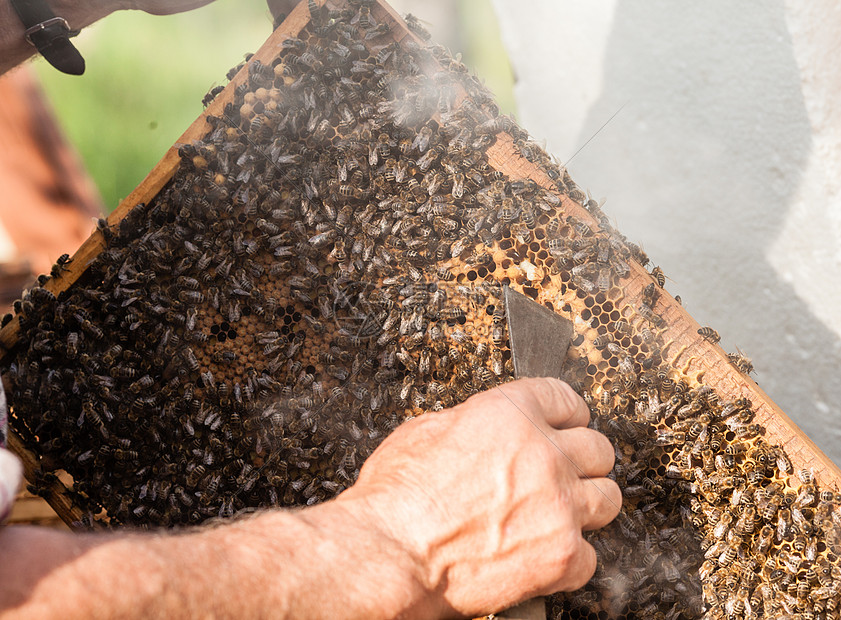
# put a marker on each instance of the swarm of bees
(327, 261)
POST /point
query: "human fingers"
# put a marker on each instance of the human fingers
(552, 400)
(599, 501)
(588, 452)
(578, 568)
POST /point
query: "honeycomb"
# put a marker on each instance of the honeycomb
(327, 261)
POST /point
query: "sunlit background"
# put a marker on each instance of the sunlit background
(146, 76)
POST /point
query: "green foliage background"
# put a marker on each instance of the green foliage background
(146, 76)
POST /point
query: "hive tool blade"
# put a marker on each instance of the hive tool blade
(539, 340)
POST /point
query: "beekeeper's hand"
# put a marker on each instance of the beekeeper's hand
(492, 496)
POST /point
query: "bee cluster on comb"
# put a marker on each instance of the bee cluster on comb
(329, 259)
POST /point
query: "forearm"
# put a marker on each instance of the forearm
(324, 561)
(328, 561)
(79, 14)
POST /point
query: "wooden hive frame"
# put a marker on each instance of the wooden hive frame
(686, 350)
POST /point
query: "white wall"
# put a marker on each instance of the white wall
(725, 163)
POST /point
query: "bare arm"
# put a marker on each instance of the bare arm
(321, 562)
(79, 14)
(458, 513)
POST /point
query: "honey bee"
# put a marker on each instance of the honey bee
(416, 27)
(730, 553)
(656, 272)
(783, 463)
(742, 362)
(667, 438)
(783, 523)
(722, 526)
(650, 295)
(623, 327)
(105, 229)
(806, 476)
(709, 334)
(747, 521)
(652, 317)
(60, 265)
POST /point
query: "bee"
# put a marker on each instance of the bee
(498, 334)
(424, 362)
(190, 296)
(72, 343)
(485, 376)
(126, 455)
(706, 570)
(652, 317)
(811, 550)
(452, 313)
(416, 27)
(144, 383)
(92, 330)
(783, 523)
(650, 295)
(730, 553)
(211, 95)
(806, 496)
(708, 459)
(364, 19)
(667, 437)
(783, 462)
(584, 284)
(742, 362)
(60, 265)
(528, 215)
(603, 282)
(709, 334)
(622, 327)
(423, 139)
(722, 526)
(790, 561)
(656, 273)
(105, 229)
(602, 341)
(747, 522)
(497, 362)
(190, 359)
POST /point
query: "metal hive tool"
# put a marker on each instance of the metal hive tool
(323, 254)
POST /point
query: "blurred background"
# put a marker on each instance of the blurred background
(724, 161)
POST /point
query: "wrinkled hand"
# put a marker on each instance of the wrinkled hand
(491, 509)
